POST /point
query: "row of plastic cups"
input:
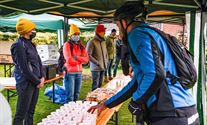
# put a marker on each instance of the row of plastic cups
(71, 113)
(89, 119)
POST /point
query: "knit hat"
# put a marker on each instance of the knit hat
(100, 28)
(24, 26)
(74, 29)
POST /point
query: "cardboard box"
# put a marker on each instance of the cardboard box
(50, 69)
(5, 47)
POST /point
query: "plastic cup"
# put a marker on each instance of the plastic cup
(71, 122)
(40, 123)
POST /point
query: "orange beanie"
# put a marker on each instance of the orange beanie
(24, 26)
(74, 29)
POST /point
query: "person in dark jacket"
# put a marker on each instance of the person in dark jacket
(110, 46)
(155, 99)
(28, 72)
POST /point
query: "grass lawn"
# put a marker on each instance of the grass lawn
(45, 106)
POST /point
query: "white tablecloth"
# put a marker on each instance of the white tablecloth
(7, 81)
(5, 110)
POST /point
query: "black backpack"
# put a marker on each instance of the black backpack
(187, 75)
(61, 61)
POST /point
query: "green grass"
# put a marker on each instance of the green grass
(45, 106)
(1, 71)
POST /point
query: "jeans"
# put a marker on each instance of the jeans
(97, 79)
(109, 67)
(116, 65)
(27, 99)
(72, 84)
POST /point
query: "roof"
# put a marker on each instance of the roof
(97, 8)
(44, 22)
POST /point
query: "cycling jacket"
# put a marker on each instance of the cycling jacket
(149, 84)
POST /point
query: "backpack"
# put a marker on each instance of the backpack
(61, 60)
(186, 71)
(125, 57)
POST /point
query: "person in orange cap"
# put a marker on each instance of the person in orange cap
(27, 72)
(98, 56)
(75, 55)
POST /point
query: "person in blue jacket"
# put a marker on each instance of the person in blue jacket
(154, 98)
(27, 72)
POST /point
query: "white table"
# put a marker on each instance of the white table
(9, 83)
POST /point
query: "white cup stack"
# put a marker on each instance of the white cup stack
(72, 113)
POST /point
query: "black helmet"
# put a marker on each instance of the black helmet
(131, 10)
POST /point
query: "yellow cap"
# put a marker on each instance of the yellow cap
(24, 26)
(74, 29)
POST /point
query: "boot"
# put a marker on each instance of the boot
(110, 78)
(106, 79)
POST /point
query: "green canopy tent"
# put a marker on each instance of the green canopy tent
(44, 22)
(193, 12)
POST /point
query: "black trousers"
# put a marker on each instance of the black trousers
(192, 120)
(27, 99)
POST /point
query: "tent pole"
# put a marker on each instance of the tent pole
(196, 29)
(65, 29)
(202, 67)
(198, 3)
(99, 20)
(201, 83)
(183, 35)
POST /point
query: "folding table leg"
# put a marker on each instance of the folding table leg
(53, 91)
(117, 119)
(4, 70)
(10, 70)
(8, 96)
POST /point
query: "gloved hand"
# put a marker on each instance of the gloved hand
(134, 108)
(139, 110)
(75, 57)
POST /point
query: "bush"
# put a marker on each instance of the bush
(46, 38)
(10, 37)
(41, 38)
(85, 39)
